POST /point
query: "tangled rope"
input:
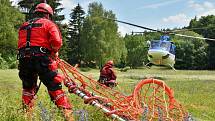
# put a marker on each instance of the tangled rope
(151, 99)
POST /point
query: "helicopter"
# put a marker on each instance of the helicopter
(162, 52)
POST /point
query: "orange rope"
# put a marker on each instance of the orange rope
(129, 107)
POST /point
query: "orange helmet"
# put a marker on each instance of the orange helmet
(44, 8)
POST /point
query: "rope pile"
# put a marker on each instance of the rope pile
(151, 99)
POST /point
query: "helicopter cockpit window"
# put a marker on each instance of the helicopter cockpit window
(165, 46)
(155, 44)
(172, 50)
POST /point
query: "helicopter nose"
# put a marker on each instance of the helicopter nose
(157, 54)
(163, 57)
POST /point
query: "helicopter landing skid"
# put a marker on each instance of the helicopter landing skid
(149, 65)
(172, 67)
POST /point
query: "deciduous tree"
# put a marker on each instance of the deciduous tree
(100, 39)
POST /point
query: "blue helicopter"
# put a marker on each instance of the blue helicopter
(162, 52)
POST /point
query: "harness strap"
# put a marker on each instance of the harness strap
(33, 25)
(28, 27)
(33, 51)
(28, 42)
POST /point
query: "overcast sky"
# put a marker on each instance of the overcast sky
(156, 14)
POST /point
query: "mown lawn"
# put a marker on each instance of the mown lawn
(194, 89)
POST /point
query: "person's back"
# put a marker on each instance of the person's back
(44, 33)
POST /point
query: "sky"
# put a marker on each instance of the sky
(156, 14)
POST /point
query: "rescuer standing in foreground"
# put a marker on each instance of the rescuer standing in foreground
(38, 45)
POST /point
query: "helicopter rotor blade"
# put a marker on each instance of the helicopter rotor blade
(185, 29)
(164, 32)
(134, 25)
(182, 35)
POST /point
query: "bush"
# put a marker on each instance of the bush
(8, 62)
(3, 62)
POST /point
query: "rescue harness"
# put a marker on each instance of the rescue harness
(29, 50)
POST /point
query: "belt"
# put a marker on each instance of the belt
(32, 51)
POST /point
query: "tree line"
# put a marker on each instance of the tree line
(90, 40)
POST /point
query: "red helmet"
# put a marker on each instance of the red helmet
(110, 62)
(45, 8)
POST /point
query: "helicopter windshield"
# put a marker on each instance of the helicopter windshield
(155, 44)
(164, 45)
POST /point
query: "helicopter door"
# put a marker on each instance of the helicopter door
(172, 49)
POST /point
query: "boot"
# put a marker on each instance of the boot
(62, 102)
(28, 97)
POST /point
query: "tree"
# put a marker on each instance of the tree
(190, 53)
(74, 33)
(64, 49)
(137, 50)
(100, 40)
(10, 20)
(28, 6)
(208, 31)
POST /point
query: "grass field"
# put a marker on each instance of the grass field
(194, 89)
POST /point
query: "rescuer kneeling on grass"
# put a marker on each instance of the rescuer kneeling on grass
(38, 45)
(107, 75)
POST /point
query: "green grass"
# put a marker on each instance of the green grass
(194, 89)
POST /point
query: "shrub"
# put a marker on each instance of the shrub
(8, 62)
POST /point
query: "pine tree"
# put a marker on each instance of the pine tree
(74, 32)
(28, 6)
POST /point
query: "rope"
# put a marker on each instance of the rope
(127, 107)
(166, 106)
(153, 109)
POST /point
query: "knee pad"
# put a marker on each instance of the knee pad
(51, 75)
(28, 96)
(58, 78)
(60, 99)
